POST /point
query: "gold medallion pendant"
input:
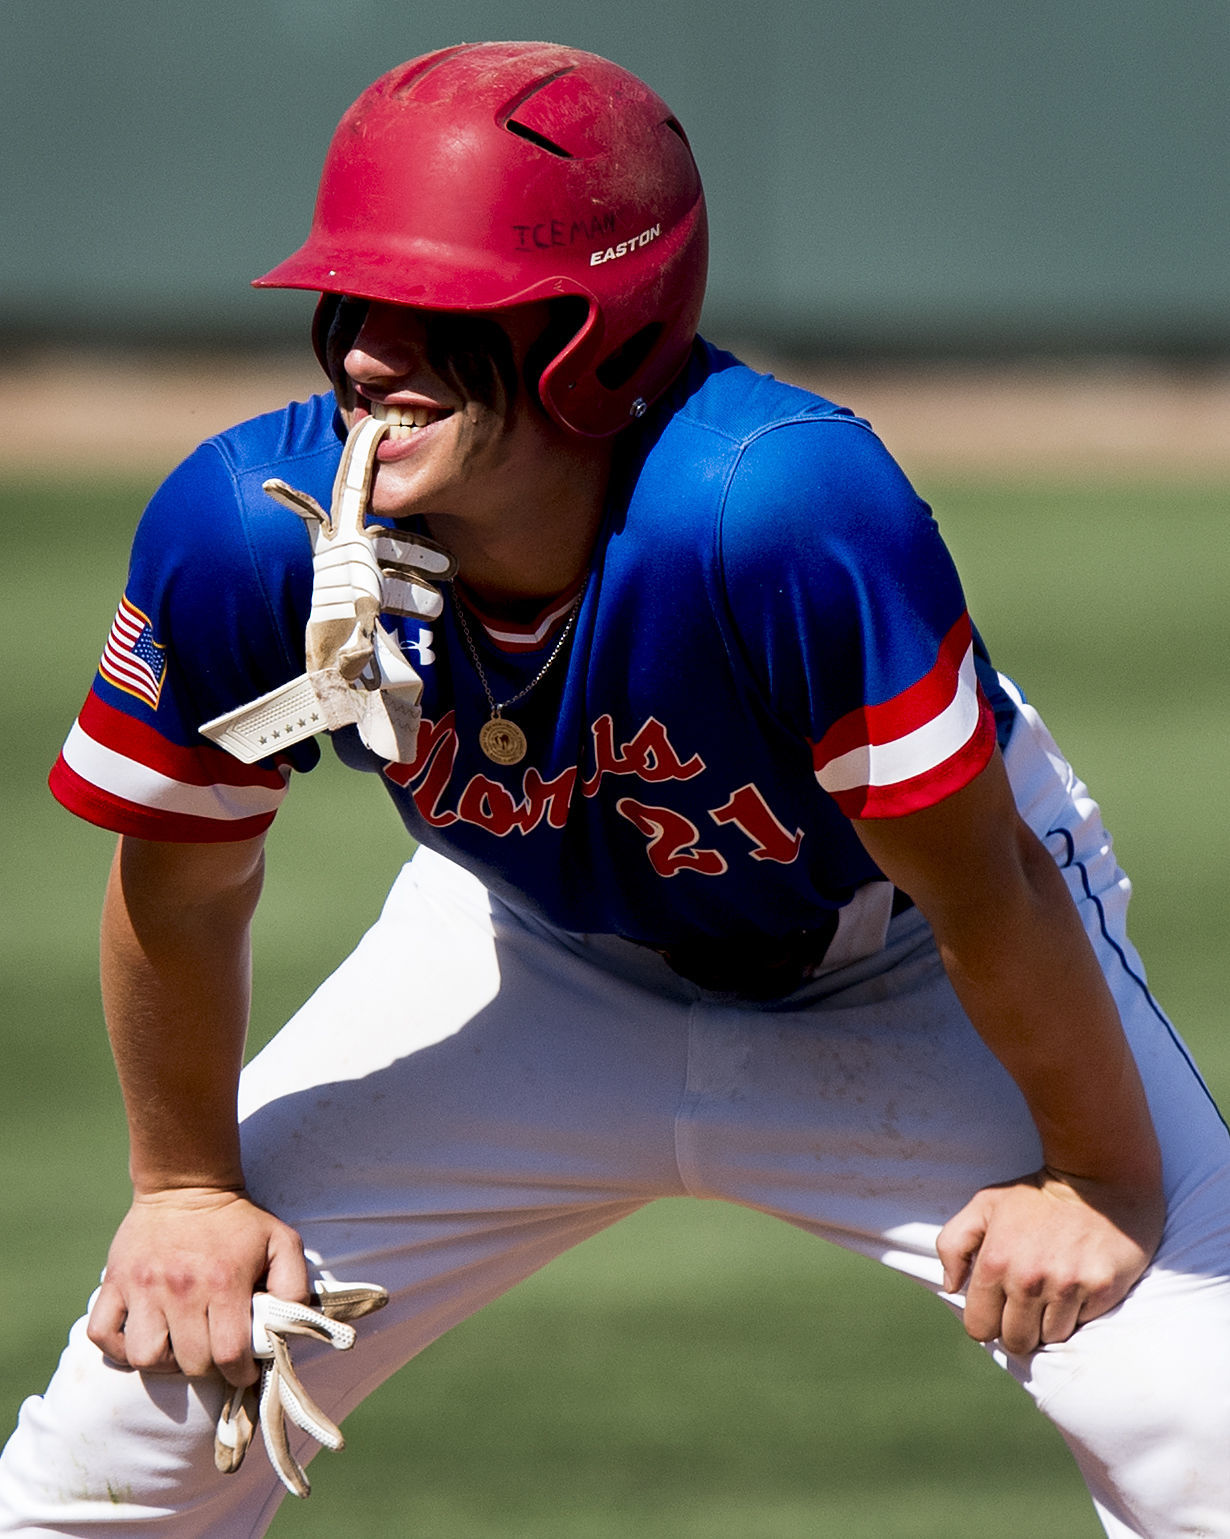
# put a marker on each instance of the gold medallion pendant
(502, 741)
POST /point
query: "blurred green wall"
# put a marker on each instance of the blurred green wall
(893, 174)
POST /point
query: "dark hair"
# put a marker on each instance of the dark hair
(469, 349)
(474, 354)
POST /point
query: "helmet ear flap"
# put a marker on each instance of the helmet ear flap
(592, 391)
(569, 316)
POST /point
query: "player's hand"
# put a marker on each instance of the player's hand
(1040, 1256)
(177, 1293)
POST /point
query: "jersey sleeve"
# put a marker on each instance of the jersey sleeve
(212, 616)
(847, 605)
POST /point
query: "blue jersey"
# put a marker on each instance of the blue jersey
(770, 641)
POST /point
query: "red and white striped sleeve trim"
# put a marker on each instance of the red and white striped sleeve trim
(907, 753)
(120, 773)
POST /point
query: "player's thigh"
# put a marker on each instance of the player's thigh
(460, 1046)
(466, 1083)
(867, 1110)
(864, 1109)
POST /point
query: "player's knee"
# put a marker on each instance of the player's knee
(1143, 1399)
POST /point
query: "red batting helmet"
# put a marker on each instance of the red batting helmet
(495, 174)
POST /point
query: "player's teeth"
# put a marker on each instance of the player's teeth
(401, 419)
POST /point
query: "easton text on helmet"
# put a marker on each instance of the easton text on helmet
(596, 258)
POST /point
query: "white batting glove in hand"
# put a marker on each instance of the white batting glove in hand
(356, 672)
(280, 1394)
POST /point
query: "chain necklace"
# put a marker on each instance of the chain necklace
(500, 739)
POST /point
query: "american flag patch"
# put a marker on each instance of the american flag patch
(132, 660)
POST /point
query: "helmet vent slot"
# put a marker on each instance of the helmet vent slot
(615, 371)
(414, 73)
(523, 131)
(676, 127)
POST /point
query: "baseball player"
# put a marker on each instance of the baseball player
(740, 871)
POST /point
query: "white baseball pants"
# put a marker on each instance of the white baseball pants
(472, 1093)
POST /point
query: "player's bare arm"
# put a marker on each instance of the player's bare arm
(1042, 1255)
(175, 975)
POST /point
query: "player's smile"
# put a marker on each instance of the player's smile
(410, 424)
(405, 420)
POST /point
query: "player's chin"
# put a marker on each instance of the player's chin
(398, 495)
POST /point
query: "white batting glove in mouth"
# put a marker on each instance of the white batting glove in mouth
(356, 672)
(280, 1395)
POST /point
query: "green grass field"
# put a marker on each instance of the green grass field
(699, 1372)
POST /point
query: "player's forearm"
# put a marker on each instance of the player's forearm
(1032, 987)
(175, 977)
(1013, 946)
